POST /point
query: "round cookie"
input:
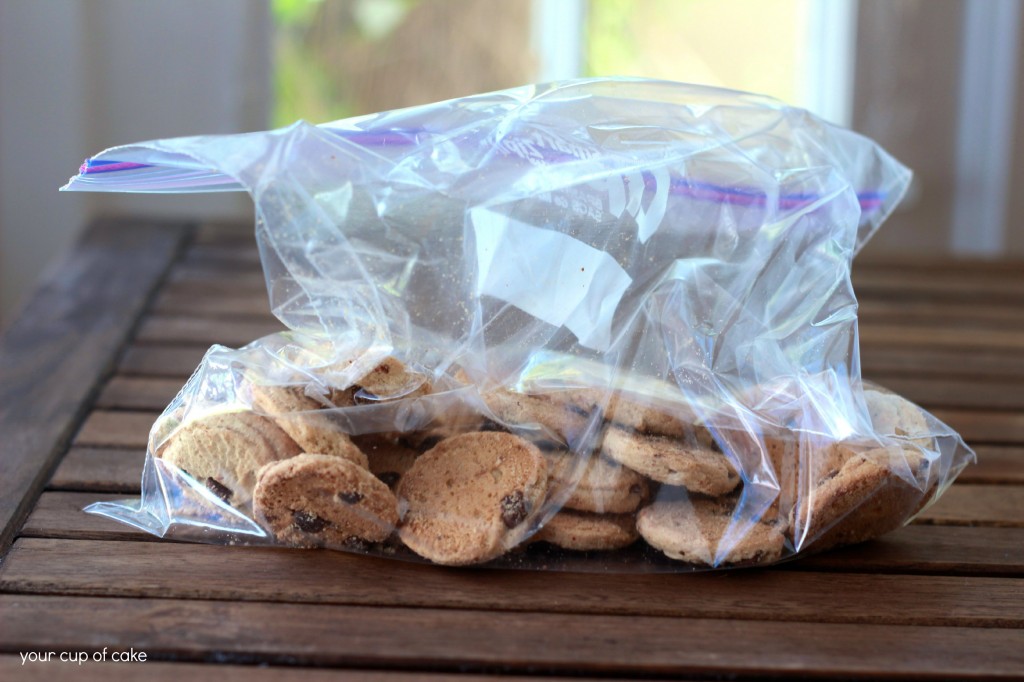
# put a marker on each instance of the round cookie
(316, 500)
(692, 530)
(224, 451)
(471, 497)
(860, 500)
(296, 414)
(893, 415)
(391, 379)
(676, 462)
(548, 410)
(589, 532)
(600, 485)
(632, 412)
(388, 460)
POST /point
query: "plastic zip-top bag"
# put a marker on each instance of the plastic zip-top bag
(592, 324)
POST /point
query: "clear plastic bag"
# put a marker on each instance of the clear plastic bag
(596, 324)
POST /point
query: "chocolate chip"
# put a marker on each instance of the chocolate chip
(356, 544)
(351, 497)
(513, 509)
(635, 489)
(429, 442)
(389, 478)
(219, 489)
(308, 522)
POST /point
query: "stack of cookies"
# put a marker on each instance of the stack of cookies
(582, 469)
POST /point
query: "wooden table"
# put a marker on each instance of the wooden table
(112, 334)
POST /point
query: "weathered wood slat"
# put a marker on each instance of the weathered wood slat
(183, 571)
(978, 315)
(116, 429)
(995, 465)
(917, 548)
(11, 668)
(233, 333)
(978, 505)
(941, 337)
(449, 639)
(99, 470)
(940, 391)
(160, 360)
(979, 286)
(59, 514)
(64, 343)
(946, 550)
(977, 364)
(212, 279)
(977, 426)
(241, 306)
(138, 393)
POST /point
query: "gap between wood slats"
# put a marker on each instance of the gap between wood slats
(188, 571)
(939, 549)
(473, 641)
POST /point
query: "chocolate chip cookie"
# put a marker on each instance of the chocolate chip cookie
(224, 451)
(299, 416)
(871, 493)
(597, 484)
(701, 530)
(313, 500)
(687, 462)
(585, 532)
(471, 497)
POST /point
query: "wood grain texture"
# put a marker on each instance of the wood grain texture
(66, 340)
(204, 332)
(978, 505)
(241, 306)
(924, 548)
(160, 360)
(996, 464)
(11, 668)
(183, 571)
(985, 427)
(104, 428)
(920, 336)
(110, 470)
(59, 514)
(450, 639)
(977, 364)
(937, 391)
(138, 393)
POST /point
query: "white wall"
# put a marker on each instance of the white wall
(79, 76)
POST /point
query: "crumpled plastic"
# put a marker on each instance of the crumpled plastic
(663, 267)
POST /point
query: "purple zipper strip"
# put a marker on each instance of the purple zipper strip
(869, 200)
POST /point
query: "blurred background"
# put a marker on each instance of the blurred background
(935, 81)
